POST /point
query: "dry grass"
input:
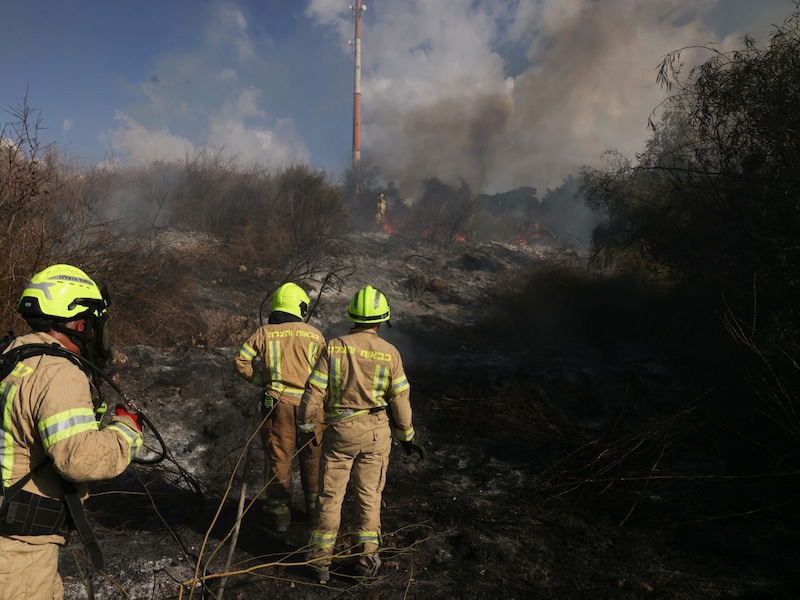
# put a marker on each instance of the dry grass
(252, 226)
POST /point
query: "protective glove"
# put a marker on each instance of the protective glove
(412, 446)
(122, 411)
(305, 438)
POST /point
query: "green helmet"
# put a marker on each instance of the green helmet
(369, 305)
(62, 293)
(290, 298)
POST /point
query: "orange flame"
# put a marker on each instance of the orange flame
(388, 228)
(524, 238)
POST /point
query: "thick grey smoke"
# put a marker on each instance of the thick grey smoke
(505, 93)
(451, 139)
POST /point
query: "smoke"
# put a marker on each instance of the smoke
(499, 93)
(451, 139)
(503, 94)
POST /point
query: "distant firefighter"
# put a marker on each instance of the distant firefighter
(380, 209)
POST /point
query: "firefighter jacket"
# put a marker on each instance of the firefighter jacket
(361, 372)
(46, 410)
(287, 352)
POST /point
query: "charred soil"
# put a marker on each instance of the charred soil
(551, 472)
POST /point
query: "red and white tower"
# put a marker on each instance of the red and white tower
(358, 11)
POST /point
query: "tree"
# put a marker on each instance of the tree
(713, 206)
(714, 200)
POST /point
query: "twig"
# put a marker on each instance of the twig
(237, 527)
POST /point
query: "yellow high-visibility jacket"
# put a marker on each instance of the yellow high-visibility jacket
(46, 409)
(360, 372)
(287, 352)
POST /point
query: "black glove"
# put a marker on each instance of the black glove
(412, 446)
(305, 438)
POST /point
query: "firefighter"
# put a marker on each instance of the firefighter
(287, 348)
(50, 437)
(363, 377)
(380, 209)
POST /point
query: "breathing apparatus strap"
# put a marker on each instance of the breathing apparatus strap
(82, 525)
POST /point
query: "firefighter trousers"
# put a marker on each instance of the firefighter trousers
(356, 449)
(29, 571)
(279, 436)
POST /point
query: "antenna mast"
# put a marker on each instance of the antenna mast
(358, 11)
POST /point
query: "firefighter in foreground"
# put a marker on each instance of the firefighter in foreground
(49, 432)
(364, 379)
(287, 349)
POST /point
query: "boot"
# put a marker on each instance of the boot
(321, 574)
(367, 566)
(279, 516)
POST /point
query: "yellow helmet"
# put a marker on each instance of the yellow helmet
(369, 305)
(290, 298)
(62, 293)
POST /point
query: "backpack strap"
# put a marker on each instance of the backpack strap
(82, 525)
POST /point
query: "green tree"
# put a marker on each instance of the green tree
(713, 201)
(712, 205)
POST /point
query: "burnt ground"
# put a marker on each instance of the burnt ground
(568, 473)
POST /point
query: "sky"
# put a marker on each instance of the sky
(497, 93)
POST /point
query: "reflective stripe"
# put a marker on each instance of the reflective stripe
(319, 380)
(335, 416)
(276, 373)
(367, 537)
(278, 506)
(307, 427)
(313, 353)
(7, 393)
(404, 435)
(335, 383)
(133, 439)
(66, 424)
(247, 352)
(275, 366)
(285, 390)
(380, 383)
(322, 539)
(401, 385)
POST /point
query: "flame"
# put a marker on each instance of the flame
(382, 224)
(524, 238)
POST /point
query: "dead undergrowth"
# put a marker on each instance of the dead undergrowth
(549, 475)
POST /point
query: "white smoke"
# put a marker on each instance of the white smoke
(504, 93)
(498, 93)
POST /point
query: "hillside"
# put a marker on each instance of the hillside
(552, 472)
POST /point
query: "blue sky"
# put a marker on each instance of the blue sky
(501, 93)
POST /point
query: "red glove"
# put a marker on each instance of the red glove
(121, 410)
